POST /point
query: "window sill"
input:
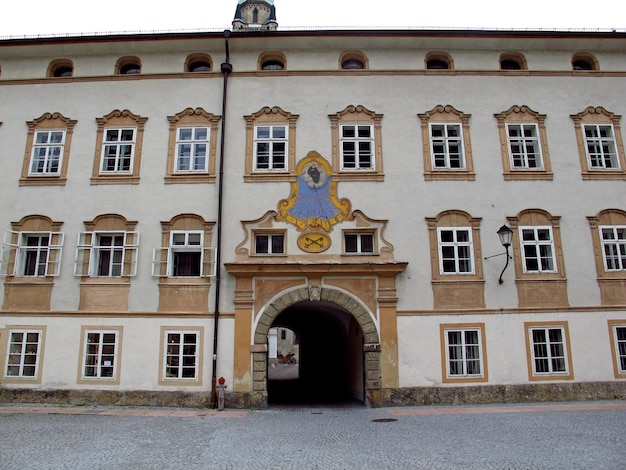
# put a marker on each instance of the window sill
(43, 181)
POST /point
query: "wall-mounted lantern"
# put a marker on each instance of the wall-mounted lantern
(505, 234)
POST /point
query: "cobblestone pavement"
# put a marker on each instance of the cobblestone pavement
(587, 435)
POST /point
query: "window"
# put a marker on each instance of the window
(270, 145)
(107, 254)
(617, 332)
(128, 66)
(512, 61)
(272, 61)
(438, 61)
(61, 68)
(269, 243)
(186, 256)
(583, 61)
(357, 144)
(608, 232)
(118, 148)
(23, 353)
(455, 250)
(181, 355)
(353, 60)
(537, 249)
(192, 145)
(198, 63)
(47, 150)
(463, 353)
(36, 254)
(447, 152)
(548, 350)
(456, 262)
(100, 358)
(600, 144)
(524, 144)
(358, 243)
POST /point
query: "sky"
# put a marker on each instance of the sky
(72, 17)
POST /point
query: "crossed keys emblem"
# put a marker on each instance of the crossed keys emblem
(314, 241)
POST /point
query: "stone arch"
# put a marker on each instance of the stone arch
(351, 304)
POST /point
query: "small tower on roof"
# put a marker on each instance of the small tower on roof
(255, 14)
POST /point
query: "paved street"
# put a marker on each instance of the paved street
(584, 435)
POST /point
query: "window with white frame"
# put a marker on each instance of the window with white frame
(107, 254)
(463, 352)
(619, 335)
(357, 147)
(548, 350)
(270, 148)
(192, 144)
(181, 355)
(185, 257)
(47, 152)
(455, 250)
(358, 243)
(23, 353)
(269, 243)
(37, 254)
(600, 146)
(537, 246)
(118, 150)
(524, 146)
(100, 358)
(446, 142)
(613, 241)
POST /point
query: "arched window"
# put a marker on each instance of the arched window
(512, 61)
(353, 60)
(584, 61)
(60, 68)
(272, 61)
(439, 61)
(198, 63)
(128, 66)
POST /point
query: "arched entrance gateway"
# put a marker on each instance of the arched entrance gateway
(336, 351)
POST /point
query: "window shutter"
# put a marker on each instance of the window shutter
(159, 262)
(55, 250)
(83, 254)
(131, 250)
(209, 264)
(9, 252)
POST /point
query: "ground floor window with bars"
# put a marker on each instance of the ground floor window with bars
(464, 355)
(181, 355)
(23, 353)
(100, 354)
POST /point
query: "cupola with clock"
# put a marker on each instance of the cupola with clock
(255, 14)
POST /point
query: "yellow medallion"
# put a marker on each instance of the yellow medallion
(314, 242)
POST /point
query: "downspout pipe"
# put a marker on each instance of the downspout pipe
(226, 68)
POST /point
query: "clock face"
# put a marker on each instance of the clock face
(314, 242)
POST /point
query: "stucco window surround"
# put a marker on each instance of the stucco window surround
(25, 293)
(27, 343)
(446, 117)
(198, 62)
(612, 282)
(128, 65)
(518, 119)
(584, 61)
(177, 359)
(60, 68)
(463, 353)
(105, 293)
(513, 61)
(357, 116)
(47, 153)
(267, 116)
(438, 61)
(353, 60)
(191, 118)
(272, 61)
(186, 294)
(589, 125)
(548, 351)
(119, 121)
(539, 288)
(456, 291)
(269, 242)
(100, 355)
(617, 334)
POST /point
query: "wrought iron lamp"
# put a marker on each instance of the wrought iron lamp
(505, 234)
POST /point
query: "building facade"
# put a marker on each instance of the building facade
(169, 200)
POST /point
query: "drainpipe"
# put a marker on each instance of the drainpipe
(227, 68)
